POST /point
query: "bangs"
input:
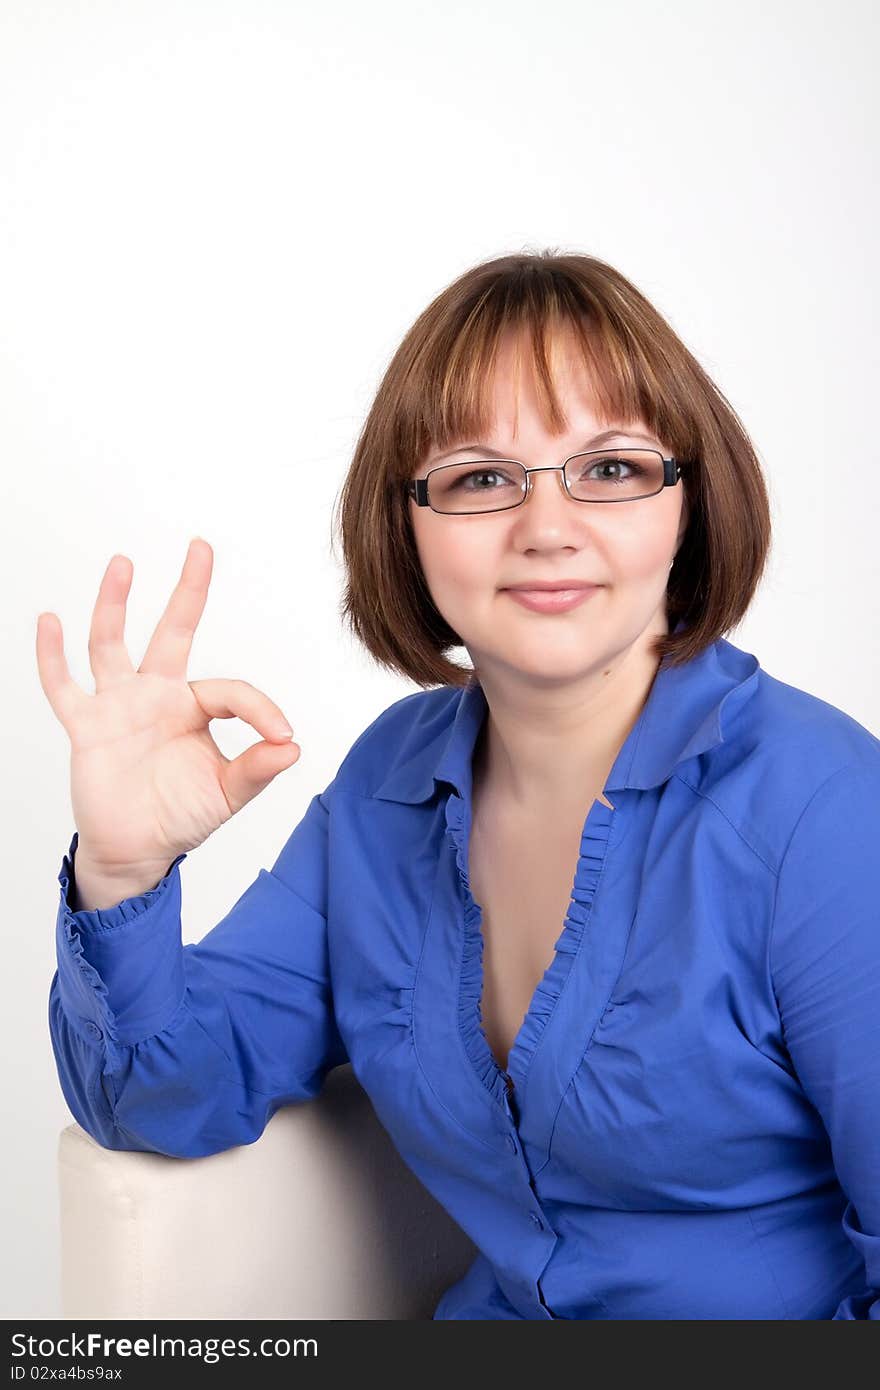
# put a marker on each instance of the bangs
(451, 384)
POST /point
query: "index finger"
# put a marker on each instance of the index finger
(169, 647)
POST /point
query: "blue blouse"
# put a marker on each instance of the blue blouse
(689, 1122)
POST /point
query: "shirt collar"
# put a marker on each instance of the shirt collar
(687, 712)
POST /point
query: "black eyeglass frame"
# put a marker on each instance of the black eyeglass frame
(417, 488)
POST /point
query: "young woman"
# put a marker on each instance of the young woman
(594, 918)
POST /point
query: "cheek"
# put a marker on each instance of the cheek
(640, 546)
(457, 557)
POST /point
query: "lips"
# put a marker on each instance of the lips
(553, 600)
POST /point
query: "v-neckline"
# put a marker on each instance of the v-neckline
(509, 1083)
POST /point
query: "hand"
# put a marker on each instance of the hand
(148, 782)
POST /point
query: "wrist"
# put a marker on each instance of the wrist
(96, 886)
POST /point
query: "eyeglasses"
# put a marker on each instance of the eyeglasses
(600, 475)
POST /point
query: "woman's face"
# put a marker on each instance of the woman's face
(625, 548)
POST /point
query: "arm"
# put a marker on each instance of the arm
(825, 963)
(188, 1050)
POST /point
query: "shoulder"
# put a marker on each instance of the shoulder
(784, 750)
(407, 735)
(805, 724)
(803, 739)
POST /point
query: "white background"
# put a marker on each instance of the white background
(217, 220)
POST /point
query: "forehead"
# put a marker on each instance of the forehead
(517, 374)
(564, 391)
(511, 390)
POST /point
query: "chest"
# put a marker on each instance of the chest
(522, 878)
(650, 1064)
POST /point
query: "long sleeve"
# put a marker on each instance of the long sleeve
(188, 1050)
(825, 965)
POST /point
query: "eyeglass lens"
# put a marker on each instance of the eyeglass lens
(484, 485)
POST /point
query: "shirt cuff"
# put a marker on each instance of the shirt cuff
(120, 969)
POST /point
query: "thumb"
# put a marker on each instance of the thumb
(252, 771)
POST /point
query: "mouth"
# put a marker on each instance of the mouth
(552, 585)
(552, 600)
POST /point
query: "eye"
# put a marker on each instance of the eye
(614, 461)
(464, 479)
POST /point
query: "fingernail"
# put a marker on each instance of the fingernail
(284, 731)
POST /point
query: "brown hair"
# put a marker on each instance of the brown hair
(435, 391)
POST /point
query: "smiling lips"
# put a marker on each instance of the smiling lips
(547, 598)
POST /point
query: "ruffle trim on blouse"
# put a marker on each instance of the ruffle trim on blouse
(588, 870)
(73, 922)
(109, 918)
(476, 1043)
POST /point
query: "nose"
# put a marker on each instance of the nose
(546, 482)
(548, 516)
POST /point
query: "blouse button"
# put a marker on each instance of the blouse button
(511, 1143)
(93, 1030)
(536, 1220)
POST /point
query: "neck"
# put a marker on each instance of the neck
(542, 750)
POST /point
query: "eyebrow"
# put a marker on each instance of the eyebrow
(489, 452)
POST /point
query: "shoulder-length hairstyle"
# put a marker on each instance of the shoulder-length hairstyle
(436, 392)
